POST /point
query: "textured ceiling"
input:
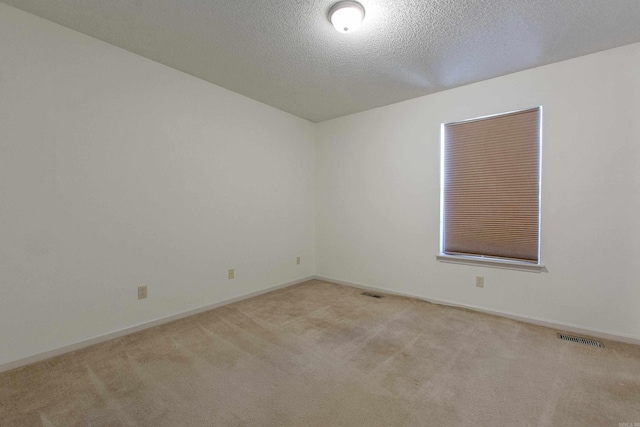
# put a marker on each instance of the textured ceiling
(285, 53)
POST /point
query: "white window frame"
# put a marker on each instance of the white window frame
(488, 261)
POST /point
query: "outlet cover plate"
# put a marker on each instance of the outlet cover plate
(142, 292)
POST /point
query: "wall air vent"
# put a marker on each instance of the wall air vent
(580, 340)
(371, 294)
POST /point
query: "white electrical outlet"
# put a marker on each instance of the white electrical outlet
(142, 292)
(297, 260)
(232, 273)
(479, 281)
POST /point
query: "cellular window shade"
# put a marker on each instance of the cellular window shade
(492, 186)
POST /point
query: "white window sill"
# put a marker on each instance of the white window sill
(491, 262)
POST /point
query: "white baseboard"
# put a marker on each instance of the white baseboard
(136, 328)
(566, 327)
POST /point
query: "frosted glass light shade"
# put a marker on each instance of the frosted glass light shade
(346, 16)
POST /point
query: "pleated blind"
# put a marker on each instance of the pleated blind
(492, 186)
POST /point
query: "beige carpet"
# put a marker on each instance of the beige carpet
(319, 354)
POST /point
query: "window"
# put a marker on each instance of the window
(490, 185)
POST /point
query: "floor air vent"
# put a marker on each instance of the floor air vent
(580, 340)
(371, 294)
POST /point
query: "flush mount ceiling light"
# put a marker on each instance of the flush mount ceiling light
(346, 16)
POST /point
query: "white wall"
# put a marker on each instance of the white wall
(377, 195)
(116, 171)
